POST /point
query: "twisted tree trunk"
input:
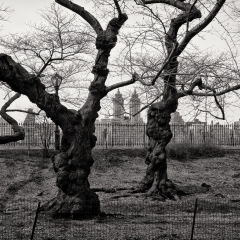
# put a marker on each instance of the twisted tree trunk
(72, 165)
(159, 114)
(158, 130)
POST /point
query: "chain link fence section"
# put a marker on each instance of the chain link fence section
(127, 219)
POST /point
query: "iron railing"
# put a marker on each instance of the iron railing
(118, 134)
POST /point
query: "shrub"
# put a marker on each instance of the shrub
(118, 153)
(184, 151)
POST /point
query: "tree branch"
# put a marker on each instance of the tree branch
(175, 3)
(23, 111)
(220, 118)
(19, 133)
(195, 30)
(22, 82)
(230, 89)
(105, 42)
(146, 106)
(197, 82)
(165, 64)
(118, 8)
(88, 17)
(188, 15)
(167, 61)
(134, 78)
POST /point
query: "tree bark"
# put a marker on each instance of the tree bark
(72, 165)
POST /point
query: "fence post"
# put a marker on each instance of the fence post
(35, 221)
(191, 136)
(28, 141)
(232, 137)
(112, 134)
(194, 217)
(144, 135)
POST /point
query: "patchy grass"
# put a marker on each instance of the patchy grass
(20, 153)
(29, 179)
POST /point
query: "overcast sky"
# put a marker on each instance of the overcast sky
(26, 11)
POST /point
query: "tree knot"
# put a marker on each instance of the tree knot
(115, 23)
(101, 41)
(105, 42)
(162, 118)
(118, 22)
(100, 70)
(159, 117)
(97, 88)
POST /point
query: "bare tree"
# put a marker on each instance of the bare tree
(4, 11)
(52, 47)
(73, 163)
(156, 181)
(46, 130)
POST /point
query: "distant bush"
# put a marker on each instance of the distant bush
(97, 153)
(180, 151)
(18, 153)
(118, 153)
(185, 151)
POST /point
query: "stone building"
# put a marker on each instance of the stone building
(30, 118)
(176, 119)
(122, 130)
(118, 106)
(135, 105)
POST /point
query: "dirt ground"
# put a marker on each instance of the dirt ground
(27, 180)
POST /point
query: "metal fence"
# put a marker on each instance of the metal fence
(124, 219)
(118, 134)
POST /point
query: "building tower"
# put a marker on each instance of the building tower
(176, 119)
(135, 107)
(30, 118)
(30, 128)
(118, 106)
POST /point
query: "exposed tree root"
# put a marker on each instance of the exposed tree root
(170, 191)
(110, 190)
(75, 207)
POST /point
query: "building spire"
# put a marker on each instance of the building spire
(118, 106)
(135, 107)
(135, 95)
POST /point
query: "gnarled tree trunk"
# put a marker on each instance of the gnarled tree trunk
(159, 114)
(72, 165)
(158, 130)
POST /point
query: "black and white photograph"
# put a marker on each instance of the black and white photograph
(120, 119)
